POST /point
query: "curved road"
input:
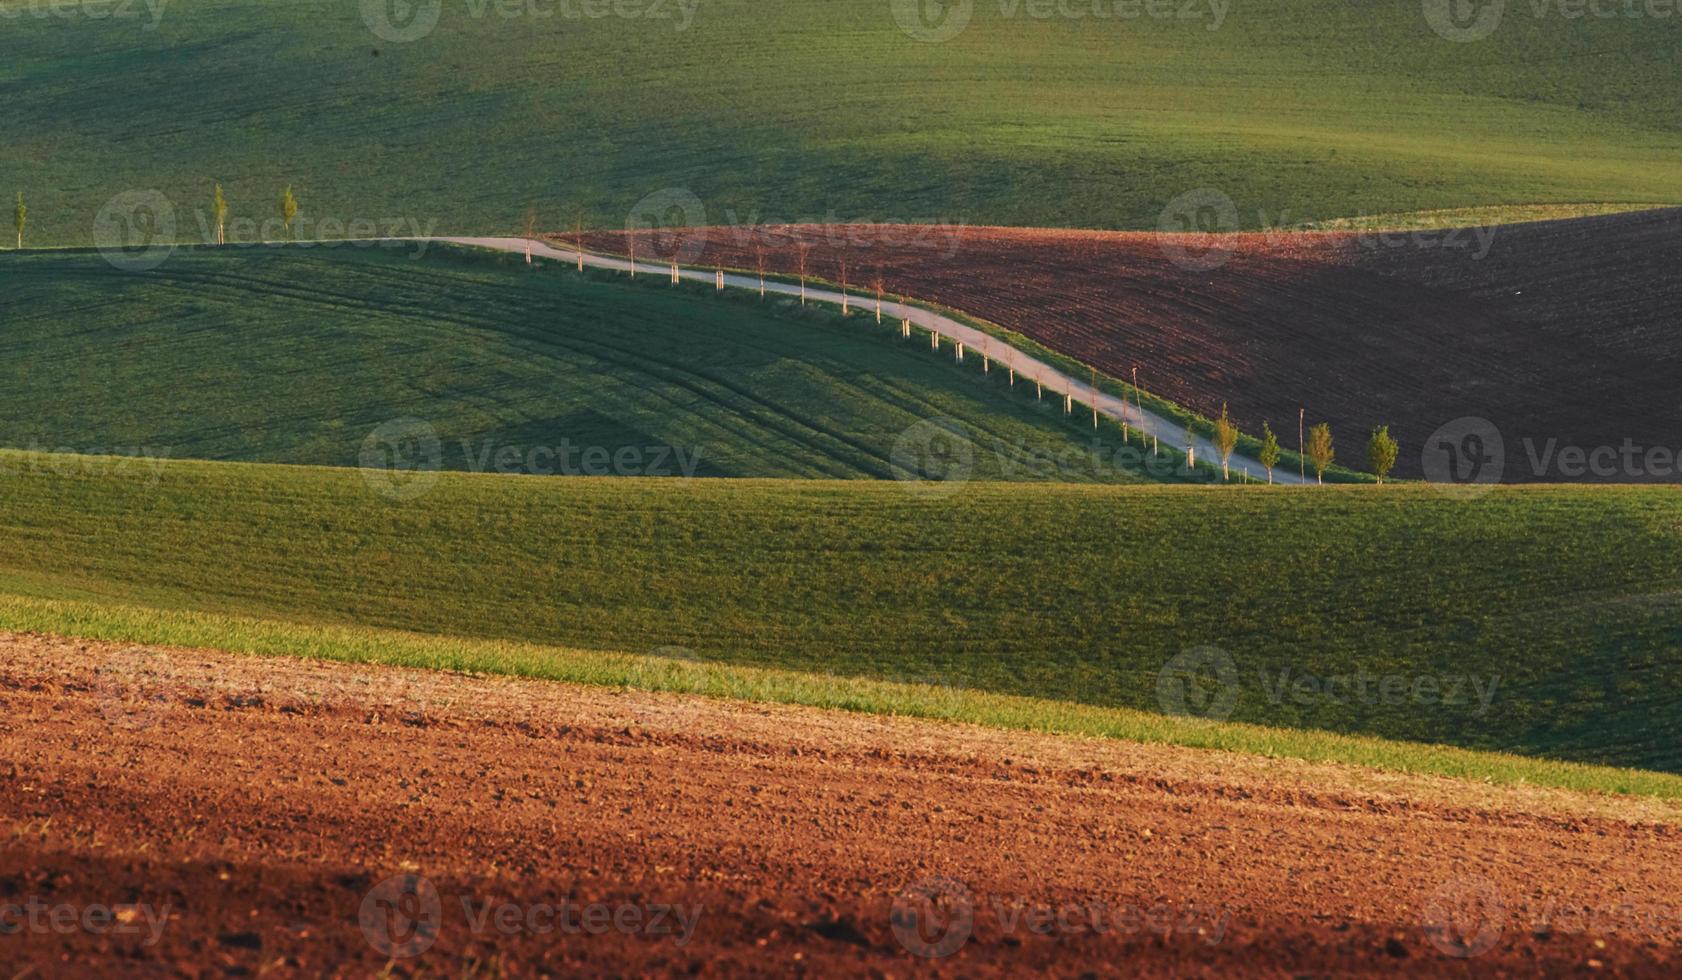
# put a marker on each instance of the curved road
(1109, 406)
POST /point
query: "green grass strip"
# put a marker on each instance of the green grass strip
(132, 624)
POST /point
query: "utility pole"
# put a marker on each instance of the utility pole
(1095, 398)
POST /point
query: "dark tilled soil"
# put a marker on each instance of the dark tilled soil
(1560, 330)
(280, 818)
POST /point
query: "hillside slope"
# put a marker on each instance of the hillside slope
(1543, 621)
(327, 355)
(808, 109)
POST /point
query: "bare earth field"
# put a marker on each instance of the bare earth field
(1561, 330)
(250, 816)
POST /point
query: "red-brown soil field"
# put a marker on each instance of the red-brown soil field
(277, 818)
(1568, 330)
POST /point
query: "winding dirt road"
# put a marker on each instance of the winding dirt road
(191, 812)
(976, 342)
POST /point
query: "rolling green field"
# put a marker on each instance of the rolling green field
(1299, 110)
(304, 355)
(1540, 621)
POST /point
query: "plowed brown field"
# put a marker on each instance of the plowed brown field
(270, 817)
(1566, 330)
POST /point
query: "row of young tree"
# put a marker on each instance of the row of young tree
(1315, 450)
(219, 207)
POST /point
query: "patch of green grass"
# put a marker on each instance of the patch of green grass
(1299, 110)
(1509, 214)
(128, 624)
(299, 355)
(1541, 621)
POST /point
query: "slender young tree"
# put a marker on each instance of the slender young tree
(288, 211)
(531, 232)
(219, 205)
(803, 256)
(880, 286)
(1269, 455)
(844, 308)
(578, 239)
(1302, 451)
(20, 218)
(1191, 449)
(1320, 450)
(1381, 452)
(759, 254)
(1226, 440)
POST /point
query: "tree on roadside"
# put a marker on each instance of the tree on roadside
(1269, 455)
(1381, 452)
(531, 232)
(803, 255)
(1226, 440)
(1191, 448)
(578, 239)
(288, 211)
(1320, 450)
(759, 255)
(20, 218)
(844, 309)
(219, 205)
(880, 285)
